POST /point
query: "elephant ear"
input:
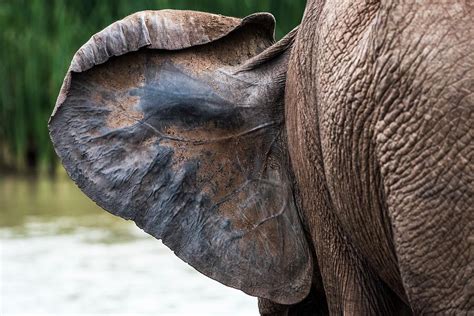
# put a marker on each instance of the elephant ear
(182, 132)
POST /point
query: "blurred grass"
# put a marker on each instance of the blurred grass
(37, 41)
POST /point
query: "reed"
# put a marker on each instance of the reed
(37, 41)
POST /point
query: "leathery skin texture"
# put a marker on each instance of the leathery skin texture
(184, 135)
(328, 173)
(381, 142)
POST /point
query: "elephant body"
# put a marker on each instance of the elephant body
(383, 132)
(329, 173)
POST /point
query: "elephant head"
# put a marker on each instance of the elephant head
(175, 120)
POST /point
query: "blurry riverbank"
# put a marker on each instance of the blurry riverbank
(60, 254)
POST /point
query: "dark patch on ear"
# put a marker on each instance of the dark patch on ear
(175, 98)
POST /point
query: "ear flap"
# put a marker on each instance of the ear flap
(186, 138)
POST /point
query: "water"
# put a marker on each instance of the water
(62, 255)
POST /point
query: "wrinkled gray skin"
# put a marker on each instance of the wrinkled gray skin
(379, 105)
(347, 190)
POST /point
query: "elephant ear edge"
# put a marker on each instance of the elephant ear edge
(162, 29)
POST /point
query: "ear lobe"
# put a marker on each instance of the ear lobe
(190, 144)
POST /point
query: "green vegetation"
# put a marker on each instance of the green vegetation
(37, 41)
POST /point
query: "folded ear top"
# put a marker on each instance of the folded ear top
(188, 141)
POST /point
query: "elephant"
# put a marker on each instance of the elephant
(327, 173)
